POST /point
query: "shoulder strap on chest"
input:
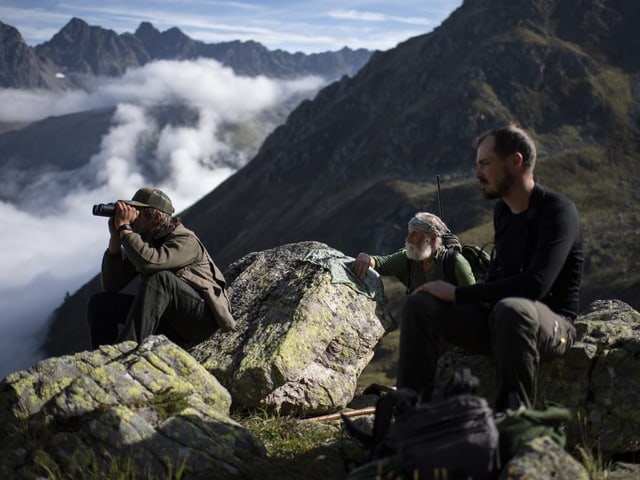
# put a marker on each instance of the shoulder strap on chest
(449, 265)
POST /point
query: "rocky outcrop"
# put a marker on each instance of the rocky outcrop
(149, 409)
(598, 378)
(306, 330)
(543, 458)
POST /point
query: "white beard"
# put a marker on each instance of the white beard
(419, 252)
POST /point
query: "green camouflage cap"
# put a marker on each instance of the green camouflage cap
(152, 197)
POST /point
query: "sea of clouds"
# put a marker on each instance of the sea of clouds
(46, 256)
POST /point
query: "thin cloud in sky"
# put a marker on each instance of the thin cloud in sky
(377, 17)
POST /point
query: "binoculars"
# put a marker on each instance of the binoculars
(104, 209)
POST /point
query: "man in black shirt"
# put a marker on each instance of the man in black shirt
(524, 312)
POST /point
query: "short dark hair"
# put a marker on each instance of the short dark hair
(511, 139)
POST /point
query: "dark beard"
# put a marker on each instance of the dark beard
(490, 195)
(503, 187)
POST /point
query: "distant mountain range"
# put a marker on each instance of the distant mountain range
(80, 51)
(352, 165)
(79, 54)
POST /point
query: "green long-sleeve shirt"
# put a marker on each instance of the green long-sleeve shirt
(412, 275)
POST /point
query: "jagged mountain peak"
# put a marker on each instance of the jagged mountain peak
(81, 50)
(76, 23)
(146, 29)
(19, 65)
(175, 34)
(77, 30)
(9, 34)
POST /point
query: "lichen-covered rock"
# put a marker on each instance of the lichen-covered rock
(598, 378)
(543, 459)
(149, 409)
(306, 329)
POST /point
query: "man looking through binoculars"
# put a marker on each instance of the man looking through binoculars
(182, 293)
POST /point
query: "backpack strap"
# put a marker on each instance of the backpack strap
(356, 431)
(390, 403)
(387, 406)
(449, 265)
(462, 381)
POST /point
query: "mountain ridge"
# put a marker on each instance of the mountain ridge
(79, 52)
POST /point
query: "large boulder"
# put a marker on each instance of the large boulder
(598, 378)
(149, 410)
(307, 328)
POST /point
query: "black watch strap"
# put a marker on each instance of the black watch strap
(126, 226)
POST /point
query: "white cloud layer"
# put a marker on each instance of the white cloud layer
(203, 84)
(47, 255)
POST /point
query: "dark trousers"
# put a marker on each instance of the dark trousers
(517, 332)
(163, 304)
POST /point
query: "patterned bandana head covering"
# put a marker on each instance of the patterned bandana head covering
(428, 223)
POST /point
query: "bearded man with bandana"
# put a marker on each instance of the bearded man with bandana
(422, 258)
(421, 261)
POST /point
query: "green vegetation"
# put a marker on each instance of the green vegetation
(313, 450)
(118, 468)
(301, 448)
(589, 452)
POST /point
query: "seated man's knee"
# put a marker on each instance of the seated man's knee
(163, 277)
(420, 302)
(420, 307)
(512, 313)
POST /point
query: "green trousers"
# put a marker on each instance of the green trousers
(517, 332)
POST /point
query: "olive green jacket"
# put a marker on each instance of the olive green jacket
(180, 252)
(412, 275)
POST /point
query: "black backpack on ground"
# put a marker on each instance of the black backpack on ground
(453, 438)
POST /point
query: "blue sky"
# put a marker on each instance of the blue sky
(289, 25)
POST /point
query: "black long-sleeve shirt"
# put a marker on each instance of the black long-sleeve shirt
(538, 256)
